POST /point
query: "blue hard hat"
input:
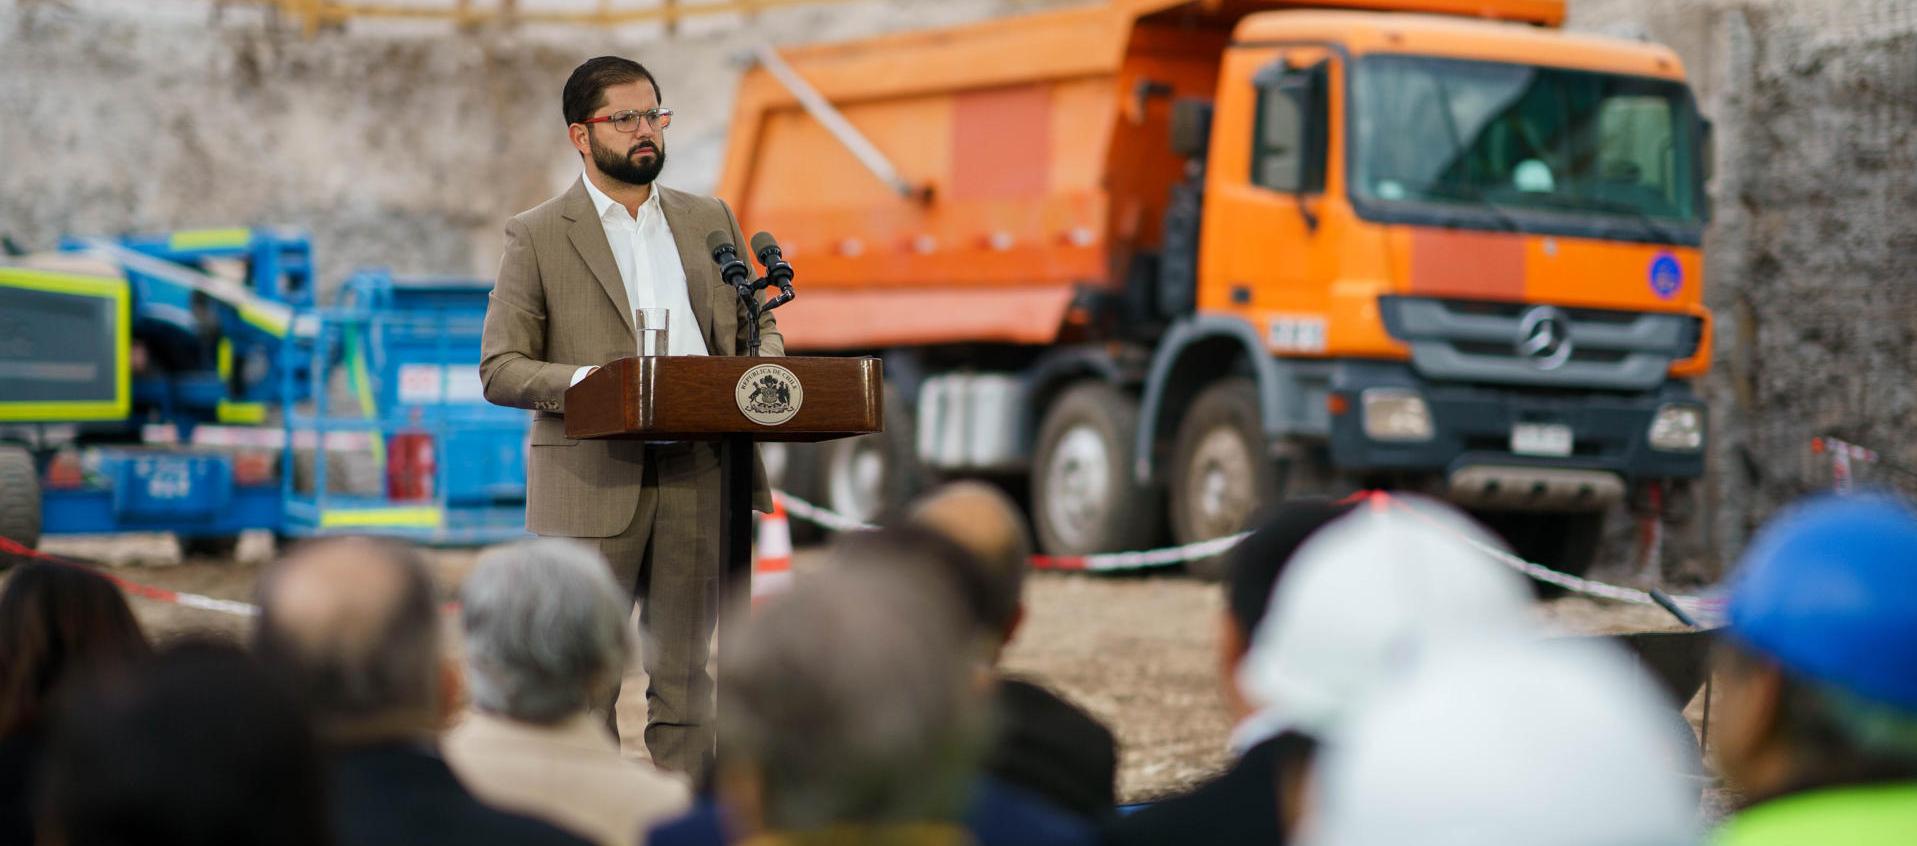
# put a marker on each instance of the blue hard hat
(1829, 591)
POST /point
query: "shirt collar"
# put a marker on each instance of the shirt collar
(579, 731)
(603, 204)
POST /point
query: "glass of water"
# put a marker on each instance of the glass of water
(652, 324)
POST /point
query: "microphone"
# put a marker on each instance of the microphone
(777, 271)
(731, 269)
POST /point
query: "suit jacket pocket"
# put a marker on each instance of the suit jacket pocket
(550, 431)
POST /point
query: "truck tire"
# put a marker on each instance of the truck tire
(1221, 475)
(794, 469)
(869, 477)
(19, 497)
(1083, 497)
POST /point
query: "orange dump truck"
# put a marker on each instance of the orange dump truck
(1171, 261)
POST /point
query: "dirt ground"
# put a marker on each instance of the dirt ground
(1137, 651)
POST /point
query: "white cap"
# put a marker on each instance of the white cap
(1539, 743)
(1363, 599)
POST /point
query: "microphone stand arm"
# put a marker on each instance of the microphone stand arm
(780, 277)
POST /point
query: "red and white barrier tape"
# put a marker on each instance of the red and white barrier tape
(132, 588)
(837, 522)
(1100, 562)
(1107, 561)
(1842, 455)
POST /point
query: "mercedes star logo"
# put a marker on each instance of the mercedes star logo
(1544, 336)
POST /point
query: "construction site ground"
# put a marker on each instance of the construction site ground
(1138, 651)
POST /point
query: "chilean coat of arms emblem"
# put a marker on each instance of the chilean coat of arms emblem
(769, 394)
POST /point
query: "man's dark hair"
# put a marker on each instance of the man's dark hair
(1258, 560)
(198, 747)
(59, 622)
(585, 90)
(923, 554)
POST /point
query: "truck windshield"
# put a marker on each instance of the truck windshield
(1509, 139)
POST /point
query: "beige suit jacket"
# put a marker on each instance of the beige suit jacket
(559, 304)
(569, 774)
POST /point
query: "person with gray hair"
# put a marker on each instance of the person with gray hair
(352, 627)
(546, 637)
(848, 715)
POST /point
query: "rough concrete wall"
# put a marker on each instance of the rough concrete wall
(398, 146)
(1813, 252)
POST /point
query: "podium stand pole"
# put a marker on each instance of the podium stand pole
(735, 540)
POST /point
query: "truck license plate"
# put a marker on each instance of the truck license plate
(1552, 439)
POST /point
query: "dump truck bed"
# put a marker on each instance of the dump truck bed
(1041, 140)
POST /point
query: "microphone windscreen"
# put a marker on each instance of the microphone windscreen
(717, 240)
(761, 241)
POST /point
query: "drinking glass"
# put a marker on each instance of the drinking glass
(652, 324)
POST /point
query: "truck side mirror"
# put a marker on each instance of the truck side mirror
(1288, 151)
(1191, 127)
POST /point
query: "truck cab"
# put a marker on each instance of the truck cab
(1467, 255)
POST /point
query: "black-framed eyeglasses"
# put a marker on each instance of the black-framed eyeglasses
(628, 121)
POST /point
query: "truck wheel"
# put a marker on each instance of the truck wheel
(794, 469)
(218, 547)
(19, 497)
(867, 477)
(1083, 497)
(1221, 478)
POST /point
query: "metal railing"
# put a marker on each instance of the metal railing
(315, 15)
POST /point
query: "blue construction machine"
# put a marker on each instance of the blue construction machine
(188, 383)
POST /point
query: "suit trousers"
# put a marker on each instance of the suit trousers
(668, 558)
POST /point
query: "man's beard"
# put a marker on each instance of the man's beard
(623, 168)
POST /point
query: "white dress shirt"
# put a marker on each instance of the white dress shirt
(648, 261)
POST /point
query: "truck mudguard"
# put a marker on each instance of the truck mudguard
(1199, 349)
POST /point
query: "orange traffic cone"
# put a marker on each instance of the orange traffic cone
(772, 554)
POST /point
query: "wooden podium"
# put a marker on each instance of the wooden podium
(735, 400)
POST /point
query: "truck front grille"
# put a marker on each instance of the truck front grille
(1536, 345)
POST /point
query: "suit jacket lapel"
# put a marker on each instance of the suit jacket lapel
(588, 236)
(701, 274)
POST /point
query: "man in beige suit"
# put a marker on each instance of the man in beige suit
(574, 269)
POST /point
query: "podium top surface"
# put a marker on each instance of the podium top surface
(683, 398)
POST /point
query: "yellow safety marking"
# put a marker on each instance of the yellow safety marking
(86, 286)
(427, 517)
(242, 413)
(206, 239)
(223, 359)
(269, 322)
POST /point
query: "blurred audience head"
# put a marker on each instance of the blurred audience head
(1364, 598)
(352, 625)
(849, 702)
(934, 560)
(199, 747)
(1543, 743)
(58, 623)
(987, 523)
(1819, 668)
(546, 631)
(1252, 568)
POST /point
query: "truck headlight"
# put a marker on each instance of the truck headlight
(1678, 428)
(1393, 414)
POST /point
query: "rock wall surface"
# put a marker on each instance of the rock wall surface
(407, 146)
